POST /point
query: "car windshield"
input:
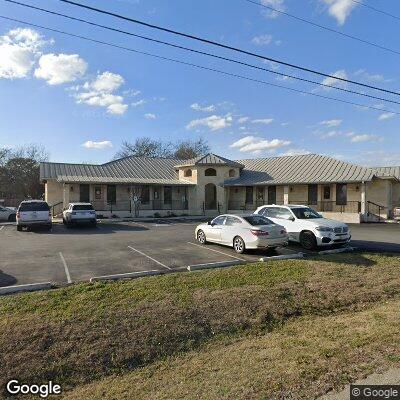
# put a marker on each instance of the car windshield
(34, 206)
(81, 207)
(257, 220)
(305, 213)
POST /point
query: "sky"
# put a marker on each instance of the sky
(81, 100)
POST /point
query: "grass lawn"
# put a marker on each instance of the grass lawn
(291, 329)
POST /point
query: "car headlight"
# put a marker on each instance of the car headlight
(323, 229)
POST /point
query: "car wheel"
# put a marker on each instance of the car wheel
(64, 221)
(201, 237)
(11, 218)
(94, 224)
(238, 245)
(308, 241)
(19, 228)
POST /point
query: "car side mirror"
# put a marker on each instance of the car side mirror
(210, 223)
(291, 219)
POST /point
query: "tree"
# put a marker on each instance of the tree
(191, 148)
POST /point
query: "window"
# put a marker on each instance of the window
(218, 220)
(278, 212)
(249, 194)
(327, 192)
(167, 195)
(111, 194)
(97, 192)
(34, 206)
(230, 221)
(312, 194)
(341, 194)
(156, 194)
(82, 207)
(210, 172)
(145, 197)
(258, 220)
(232, 173)
(305, 213)
(187, 173)
(260, 193)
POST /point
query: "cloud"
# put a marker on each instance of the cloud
(265, 121)
(386, 116)
(331, 122)
(214, 122)
(198, 107)
(243, 120)
(295, 152)
(150, 116)
(255, 145)
(138, 103)
(100, 93)
(365, 75)
(262, 40)
(19, 49)
(97, 145)
(364, 138)
(335, 82)
(340, 9)
(61, 68)
(330, 134)
(277, 4)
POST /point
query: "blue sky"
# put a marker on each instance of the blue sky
(81, 100)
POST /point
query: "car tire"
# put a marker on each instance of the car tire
(308, 240)
(19, 228)
(93, 224)
(12, 218)
(239, 245)
(64, 221)
(201, 237)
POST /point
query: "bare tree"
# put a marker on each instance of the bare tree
(191, 148)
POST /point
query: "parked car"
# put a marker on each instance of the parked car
(33, 213)
(396, 213)
(242, 232)
(306, 226)
(79, 213)
(7, 214)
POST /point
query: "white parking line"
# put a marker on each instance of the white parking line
(136, 223)
(151, 258)
(69, 280)
(1, 227)
(217, 251)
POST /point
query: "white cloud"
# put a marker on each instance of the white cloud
(262, 40)
(340, 9)
(331, 122)
(330, 134)
(19, 49)
(61, 68)
(198, 107)
(330, 81)
(138, 103)
(100, 93)
(295, 152)
(364, 138)
(214, 122)
(150, 116)
(365, 75)
(265, 121)
(97, 145)
(243, 120)
(252, 144)
(386, 116)
(277, 4)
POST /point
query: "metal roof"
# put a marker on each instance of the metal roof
(387, 172)
(124, 170)
(302, 169)
(210, 159)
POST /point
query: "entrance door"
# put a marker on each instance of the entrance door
(210, 196)
(271, 194)
(313, 194)
(84, 196)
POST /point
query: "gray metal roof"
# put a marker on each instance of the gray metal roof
(387, 172)
(303, 169)
(210, 159)
(124, 170)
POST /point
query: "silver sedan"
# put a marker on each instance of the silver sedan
(242, 232)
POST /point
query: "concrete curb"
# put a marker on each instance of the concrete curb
(128, 275)
(221, 264)
(334, 251)
(282, 257)
(31, 287)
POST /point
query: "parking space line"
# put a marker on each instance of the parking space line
(217, 251)
(1, 227)
(69, 280)
(136, 223)
(151, 258)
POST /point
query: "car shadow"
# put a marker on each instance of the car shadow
(373, 246)
(7, 280)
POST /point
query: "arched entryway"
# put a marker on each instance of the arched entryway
(210, 196)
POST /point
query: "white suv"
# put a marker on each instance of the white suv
(306, 226)
(33, 213)
(79, 213)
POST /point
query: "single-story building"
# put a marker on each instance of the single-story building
(212, 184)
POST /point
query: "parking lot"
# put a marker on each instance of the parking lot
(73, 255)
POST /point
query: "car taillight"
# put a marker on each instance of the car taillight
(259, 233)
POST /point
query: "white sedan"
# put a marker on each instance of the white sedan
(242, 232)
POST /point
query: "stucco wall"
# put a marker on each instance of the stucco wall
(53, 192)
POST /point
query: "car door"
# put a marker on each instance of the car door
(232, 227)
(214, 230)
(3, 215)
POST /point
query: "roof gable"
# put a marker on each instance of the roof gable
(210, 159)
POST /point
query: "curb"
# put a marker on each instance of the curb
(128, 275)
(282, 257)
(221, 264)
(31, 287)
(334, 251)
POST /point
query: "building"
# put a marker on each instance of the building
(212, 184)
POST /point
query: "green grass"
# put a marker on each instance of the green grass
(85, 333)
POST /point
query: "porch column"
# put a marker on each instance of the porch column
(363, 198)
(65, 195)
(286, 195)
